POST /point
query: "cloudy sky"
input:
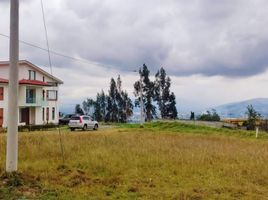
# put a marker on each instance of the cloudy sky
(215, 51)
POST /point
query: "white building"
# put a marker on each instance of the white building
(38, 95)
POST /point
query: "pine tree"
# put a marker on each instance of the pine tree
(148, 93)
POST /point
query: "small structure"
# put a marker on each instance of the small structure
(38, 95)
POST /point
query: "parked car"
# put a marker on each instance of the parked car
(83, 122)
(65, 120)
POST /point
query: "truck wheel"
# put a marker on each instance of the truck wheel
(72, 129)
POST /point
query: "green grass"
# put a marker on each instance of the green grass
(159, 161)
(180, 127)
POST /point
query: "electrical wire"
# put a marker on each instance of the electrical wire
(85, 61)
(51, 71)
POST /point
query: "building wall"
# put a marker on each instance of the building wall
(37, 113)
(4, 72)
(3, 104)
(24, 73)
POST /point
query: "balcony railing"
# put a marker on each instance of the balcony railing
(30, 100)
(35, 102)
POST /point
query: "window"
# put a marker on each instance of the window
(85, 118)
(47, 114)
(30, 95)
(44, 94)
(53, 113)
(1, 93)
(43, 79)
(52, 95)
(32, 75)
(43, 114)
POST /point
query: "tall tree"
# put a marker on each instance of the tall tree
(119, 100)
(165, 99)
(172, 112)
(108, 115)
(89, 106)
(103, 103)
(112, 111)
(114, 107)
(253, 117)
(148, 93)
(124, 103)
(97, 111)
(127, 107)
(78, 109)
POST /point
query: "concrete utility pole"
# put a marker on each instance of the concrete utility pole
(12, 132)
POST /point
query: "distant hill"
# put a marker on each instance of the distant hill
(238, 109)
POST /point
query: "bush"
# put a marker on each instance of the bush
(210, 116)
(37, 127)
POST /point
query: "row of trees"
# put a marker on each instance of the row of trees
(116, 106)
(154, 93)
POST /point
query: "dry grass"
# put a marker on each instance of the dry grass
(135, 163)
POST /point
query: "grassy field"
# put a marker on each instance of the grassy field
(159, 161)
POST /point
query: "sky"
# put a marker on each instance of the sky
(214, 51)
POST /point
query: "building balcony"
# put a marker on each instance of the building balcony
(34, 102)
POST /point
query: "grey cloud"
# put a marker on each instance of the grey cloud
(4, 1)
(227, 37)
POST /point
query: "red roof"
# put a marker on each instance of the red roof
(2, 80)
(33, 82)
(27, 82)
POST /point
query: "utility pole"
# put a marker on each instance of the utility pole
(12, 132)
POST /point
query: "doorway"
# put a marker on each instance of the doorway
(25, 115)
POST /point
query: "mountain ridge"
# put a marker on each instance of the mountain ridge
(238, 109)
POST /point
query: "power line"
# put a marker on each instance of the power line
(48, 48)
(60, 54)
(51, 71)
